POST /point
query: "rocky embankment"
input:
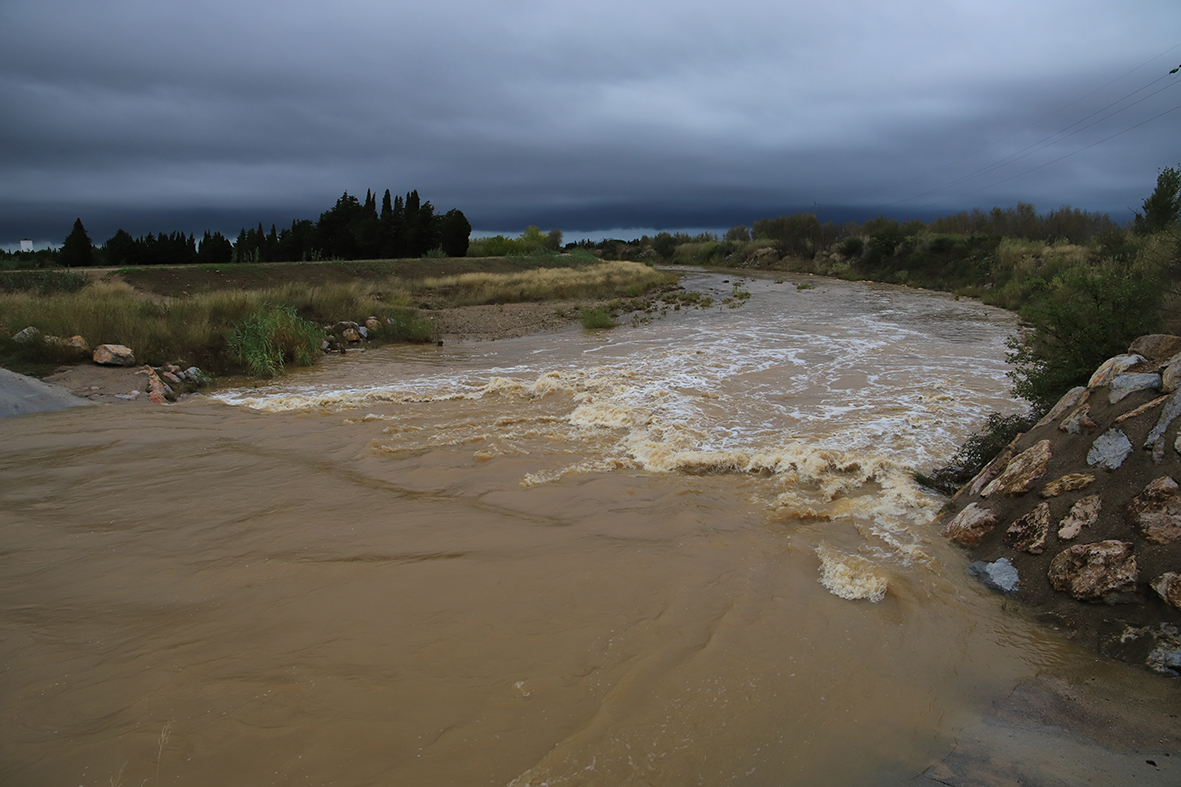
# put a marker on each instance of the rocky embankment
(1080, 518)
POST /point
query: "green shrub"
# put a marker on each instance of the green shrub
(597, 318)
(1086, 315)
(404, 325)
(272, 336)
(978, 450)
(584, 256)
(851, 247)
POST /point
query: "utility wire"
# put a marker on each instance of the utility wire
(1022, 153)
(1030, 149)
(1073, 152)
(1096, 90)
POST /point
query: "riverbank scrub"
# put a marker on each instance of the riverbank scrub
(127, 307)
(42, 281)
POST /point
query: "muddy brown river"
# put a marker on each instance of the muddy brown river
(684, 552)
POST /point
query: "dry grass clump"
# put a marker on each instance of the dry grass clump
(593, 282)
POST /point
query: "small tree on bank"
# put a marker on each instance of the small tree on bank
(1162, 209)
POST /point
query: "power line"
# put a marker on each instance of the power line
(1073, 152)
(1029, 149)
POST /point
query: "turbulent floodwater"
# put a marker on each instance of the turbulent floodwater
(686, 552)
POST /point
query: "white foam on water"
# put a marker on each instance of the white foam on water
(851, 577)
(836, 409)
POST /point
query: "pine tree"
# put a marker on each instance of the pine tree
(77, 250)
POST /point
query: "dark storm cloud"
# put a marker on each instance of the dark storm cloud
(576, 114)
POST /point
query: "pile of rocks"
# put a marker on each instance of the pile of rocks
(31, 334)
(347, 334)
(1080, 518)
(159, 378)
(164, 383)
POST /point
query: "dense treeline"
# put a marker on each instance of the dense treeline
(350, 230)
(802, 236)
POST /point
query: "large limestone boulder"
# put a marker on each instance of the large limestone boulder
(1084, 513)
(1156, 511)
(1156, 346)
(1170, 376)
(970, 525)
(114, 355)
(1092, 571)
(1021, 472)
(1168, 587)
(1028, 534)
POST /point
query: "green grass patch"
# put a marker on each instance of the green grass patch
(598, 318)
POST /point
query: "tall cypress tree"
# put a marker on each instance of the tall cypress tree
(393, 225)
(411, 232)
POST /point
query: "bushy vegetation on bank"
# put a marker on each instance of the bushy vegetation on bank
(531, 242)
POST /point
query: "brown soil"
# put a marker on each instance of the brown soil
(103, 383)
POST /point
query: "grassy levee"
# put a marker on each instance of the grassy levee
(190, 314)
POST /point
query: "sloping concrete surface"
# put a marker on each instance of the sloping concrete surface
(20, 395)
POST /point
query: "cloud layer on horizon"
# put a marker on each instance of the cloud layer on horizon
(579, 115)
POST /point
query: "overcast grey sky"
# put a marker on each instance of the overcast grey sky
(153, 115)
